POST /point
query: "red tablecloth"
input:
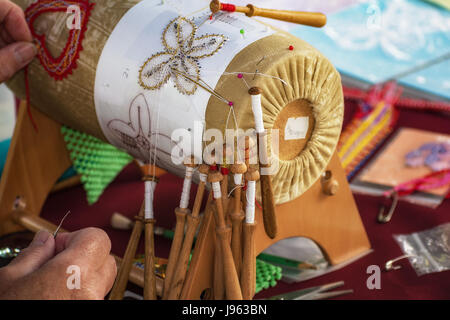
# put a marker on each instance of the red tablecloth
(126, 194)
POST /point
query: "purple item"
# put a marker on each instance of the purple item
(434, 155)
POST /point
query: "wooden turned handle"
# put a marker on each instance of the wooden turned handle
(268, 203)
(198, 199)
(123, 274)
(312, 19)
(248, 271)
(174, 249)
(183, 259)
(232, 285)
(268, 207)
(149, 265)
(236, 243)
(218, 285)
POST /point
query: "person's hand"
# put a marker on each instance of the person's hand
(16, 48)
(47, 269)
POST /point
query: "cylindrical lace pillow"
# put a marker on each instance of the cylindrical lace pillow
(124, 45)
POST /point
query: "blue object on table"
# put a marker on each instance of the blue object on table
(67, 174)
(434, 79)
(4, 146)
(376, 41)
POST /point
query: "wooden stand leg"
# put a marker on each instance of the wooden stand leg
(248, 274)
(149, 271)
(183, 259)
(123, 274)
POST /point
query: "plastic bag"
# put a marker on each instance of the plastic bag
(429, 250)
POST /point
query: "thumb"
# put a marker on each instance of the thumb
(14, 57)
(40, 250)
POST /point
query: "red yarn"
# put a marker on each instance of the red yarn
(402, 103)
(63, 65)
(224, 170)
(27, 94)
(227, 7)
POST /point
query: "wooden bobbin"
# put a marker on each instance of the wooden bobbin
(219, 279)
(183, 259)
(193, 221)
(237, 216)
(149, 264)
(177, 242)
(175, 248)
(123, 273)
(149, 256)
(248, 272)
(268, 203)
(313, 19)
(223, 234)
(224, 183)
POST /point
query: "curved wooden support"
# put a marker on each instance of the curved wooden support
(36, 159)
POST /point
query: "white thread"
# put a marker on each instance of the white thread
(250, 73)
(184, 200)
(203, 177)
(148, 199)
(234, 188)
(237, 178)
(216, 190)
(250, 207)
(257, 113)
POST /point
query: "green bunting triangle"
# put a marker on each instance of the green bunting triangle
(97, 162)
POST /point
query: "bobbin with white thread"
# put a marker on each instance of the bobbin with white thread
(237, 169)
(255, 93)
(150, 182)
(268, 203)
(223, 233)
(185, 193)
(181, 213)
(248, 272)
(251, 176)
(192, 222)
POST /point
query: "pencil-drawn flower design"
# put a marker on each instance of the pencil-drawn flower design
(136, 134)
(180, 61)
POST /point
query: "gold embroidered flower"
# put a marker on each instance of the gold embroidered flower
(180, 61)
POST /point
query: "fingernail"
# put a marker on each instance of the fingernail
(40, 238)
(25, 52)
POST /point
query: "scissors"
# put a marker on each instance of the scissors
(314, 293)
